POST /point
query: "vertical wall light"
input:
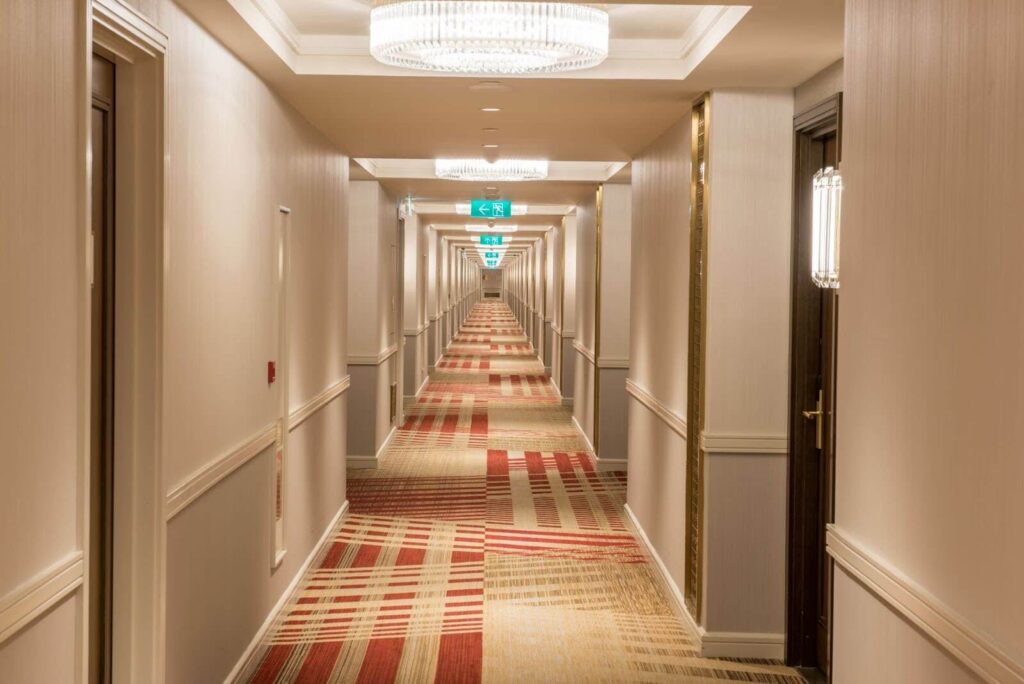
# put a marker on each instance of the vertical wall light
(828, 196)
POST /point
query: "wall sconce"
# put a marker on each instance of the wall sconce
(827, 210)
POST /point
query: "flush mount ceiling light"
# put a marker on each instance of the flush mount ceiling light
(483, 171)
(482, 228)
(488, 36)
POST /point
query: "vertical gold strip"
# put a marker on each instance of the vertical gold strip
(697, 351)
(599, 217)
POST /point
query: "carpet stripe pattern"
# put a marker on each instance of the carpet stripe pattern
(486, 548)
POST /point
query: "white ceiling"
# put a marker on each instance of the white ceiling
(314, 53)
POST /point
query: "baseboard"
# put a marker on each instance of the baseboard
(568, 402)
(361, 462)
(250, 650)
(766, 646)
(607, 465)
(583, 434)
(675, 594)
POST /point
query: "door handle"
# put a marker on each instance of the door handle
(817, 415)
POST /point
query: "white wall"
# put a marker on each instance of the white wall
(931, 364)
(42, 232)
(234, 153)
(659, 286)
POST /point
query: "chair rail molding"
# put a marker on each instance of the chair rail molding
(373, 359)
(957, 636)
(207, 477)
(674, 420)
(586, 353)
(48, 588)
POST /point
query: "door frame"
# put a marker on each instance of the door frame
(138, 49)
(804, 540)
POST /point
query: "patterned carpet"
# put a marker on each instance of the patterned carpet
(486, 548)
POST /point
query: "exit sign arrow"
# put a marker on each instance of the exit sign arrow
(490, 209)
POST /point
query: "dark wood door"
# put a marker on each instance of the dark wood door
(818, 140)
(102, 389)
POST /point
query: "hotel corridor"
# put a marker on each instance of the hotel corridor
(486, 548)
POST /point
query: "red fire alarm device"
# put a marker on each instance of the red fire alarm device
(271, 372)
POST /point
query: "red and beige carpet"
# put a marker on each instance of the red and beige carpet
(486, 548)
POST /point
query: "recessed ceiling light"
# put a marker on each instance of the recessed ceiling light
(490, 110)
(482, 170)
(490, 86)
(490, 145)
(484, 228)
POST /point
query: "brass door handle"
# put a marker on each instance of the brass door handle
(819, 424)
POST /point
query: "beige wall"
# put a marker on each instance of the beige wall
(224, 184)
(42, 296)
(586, 298)
(931, 365)
(744, 438)
(659, 283)
(819, 87)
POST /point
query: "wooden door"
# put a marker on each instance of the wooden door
(812, 407)
(101, 520)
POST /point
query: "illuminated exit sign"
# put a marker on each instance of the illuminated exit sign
(490, 239)
(491, 209)
(491, 255)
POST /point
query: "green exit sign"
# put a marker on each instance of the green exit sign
(491, 255)
(490, 209)
(490, 239)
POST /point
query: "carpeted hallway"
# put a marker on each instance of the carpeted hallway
(486, 548)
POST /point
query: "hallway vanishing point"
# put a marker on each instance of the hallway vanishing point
(486, 548)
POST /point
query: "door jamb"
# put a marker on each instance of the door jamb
(138, 48)
(821, 118)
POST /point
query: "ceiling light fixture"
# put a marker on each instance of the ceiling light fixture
(487, 37)
(481, 170)
(490, 110)
(482, 228)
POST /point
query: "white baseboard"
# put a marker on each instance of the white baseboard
(583, 434)
(675, 594)
(250, 650)
(605, 465)
(743, 645)
(568, 402)
(361, 462)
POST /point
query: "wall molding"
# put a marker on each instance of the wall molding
(253, 646)
(613, 363)
(961, 639)
(762, 645)
(43, 591)
(583, 434)
(669, 584)
(611, 465)
(584, 352)
(373, 360)
(744, 444)
(365, 462)
(675, 421)
(329, 394)
(130, 25)
(209, 475)
(415, 332)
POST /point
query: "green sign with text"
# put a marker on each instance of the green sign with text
(490, 240)
(490, 209)
(492, 255)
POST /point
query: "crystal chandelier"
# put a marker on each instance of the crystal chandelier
(481, 170)
(488, 36)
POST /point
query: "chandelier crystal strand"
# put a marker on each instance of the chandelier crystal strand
(481, 170)
(488, 36)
